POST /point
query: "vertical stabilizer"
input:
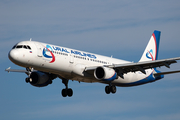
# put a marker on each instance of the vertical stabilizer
(152, 49)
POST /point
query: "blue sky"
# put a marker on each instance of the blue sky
(120, 28)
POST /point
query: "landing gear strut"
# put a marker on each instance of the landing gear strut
(110, 89)
(67, 91)
(29, 70)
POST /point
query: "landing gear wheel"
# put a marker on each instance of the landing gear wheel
(69, 92)
(107, 89)
(110, 89)
(64, 92)
(27, 80)
(113, 89)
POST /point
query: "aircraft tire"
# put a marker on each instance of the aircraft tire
(69, 92)
(113, 89)
(64, 92)
(107, 90)
(27, 80)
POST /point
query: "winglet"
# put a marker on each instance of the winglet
(8, 69)
(152, 49)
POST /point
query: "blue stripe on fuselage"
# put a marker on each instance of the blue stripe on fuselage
(111, 78)
(150, 78)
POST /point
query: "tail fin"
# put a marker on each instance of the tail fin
(152, 49)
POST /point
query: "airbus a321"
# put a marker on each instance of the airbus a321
(45, 62)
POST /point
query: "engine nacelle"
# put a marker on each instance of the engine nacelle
(105, 73)
(39, 79)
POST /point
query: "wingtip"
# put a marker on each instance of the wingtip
(8, 69)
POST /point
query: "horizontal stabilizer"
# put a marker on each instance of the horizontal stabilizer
(164, 73)
(15, 70)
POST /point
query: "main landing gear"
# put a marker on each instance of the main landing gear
(110, 89)
(67, 91)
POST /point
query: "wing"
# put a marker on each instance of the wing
(139, 66)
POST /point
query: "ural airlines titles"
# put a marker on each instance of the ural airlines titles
(69, 51)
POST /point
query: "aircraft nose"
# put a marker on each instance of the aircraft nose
(13, 55)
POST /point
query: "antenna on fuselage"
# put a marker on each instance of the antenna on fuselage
(30, 39)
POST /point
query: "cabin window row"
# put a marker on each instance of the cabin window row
(93, 60)
(59, 53)
(84, 58)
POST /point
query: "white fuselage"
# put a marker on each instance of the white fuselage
(68, 63)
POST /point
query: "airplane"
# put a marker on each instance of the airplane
(45, 62)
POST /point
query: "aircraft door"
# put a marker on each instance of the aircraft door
(71, 58)
(39, 49)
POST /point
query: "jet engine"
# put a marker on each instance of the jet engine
(105, 73)
(40, 79)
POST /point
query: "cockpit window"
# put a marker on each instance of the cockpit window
(22, 46)
(29, 47)
(25, 46)
(14, 46)
(19, 46)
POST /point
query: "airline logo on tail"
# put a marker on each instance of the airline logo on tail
(48, 49)
(149, 54)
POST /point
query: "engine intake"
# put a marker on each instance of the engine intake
(105, 73)
(40, 79)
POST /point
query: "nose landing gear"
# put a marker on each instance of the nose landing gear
(29, 71)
